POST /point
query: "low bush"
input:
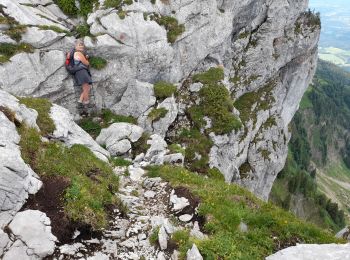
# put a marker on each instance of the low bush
(97, 63)
(157, 113)
(163, 89)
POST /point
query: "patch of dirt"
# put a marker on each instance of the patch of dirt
(49, 200)
(282, 244)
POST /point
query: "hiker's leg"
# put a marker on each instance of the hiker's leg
(86, 93)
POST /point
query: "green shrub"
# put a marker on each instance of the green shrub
(117, 3)
(172, 26)
(15, 32)
(215, 103)
(213, 75)
(67, 6)
(54, 28)
(157, 113)
(163, 89)
(97, 63)
(92, 181)
(43, 107)
(176, 148)
(181, 238)
(153, 239)
(118, 161)
(82, 30)
(224, 206)
(141, 146)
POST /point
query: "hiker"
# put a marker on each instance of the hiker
(82, 75)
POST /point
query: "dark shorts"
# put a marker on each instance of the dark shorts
(82, 77)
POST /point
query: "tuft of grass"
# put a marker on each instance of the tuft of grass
(43, 107)
(153, 239)
(157, 113)
(67, 6)
(108, 117)
(176, 148)
(163, 89)
(118, 161)
(7, 50)
(172, 26)
(213, 75)
(92, 182)
(82, 30)
(181, 238)
(15, 32)
(196, 144)
(97, 63)
(250, 103)
(141, 146)
(224, 206)
(54, 28)
(117, 3)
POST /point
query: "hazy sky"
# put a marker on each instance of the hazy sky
(335, 15)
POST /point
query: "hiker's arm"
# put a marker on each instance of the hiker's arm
(83, 59)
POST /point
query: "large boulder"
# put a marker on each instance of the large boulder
(70, 133)
(311, 252)
(118, 137)
(32, 236)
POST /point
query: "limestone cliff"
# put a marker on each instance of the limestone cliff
(268, 49)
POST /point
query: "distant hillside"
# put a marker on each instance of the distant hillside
(319, 156)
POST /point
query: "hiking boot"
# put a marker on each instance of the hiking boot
(80, 105)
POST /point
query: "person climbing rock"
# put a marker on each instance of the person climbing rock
(82, 75)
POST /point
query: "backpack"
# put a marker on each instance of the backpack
(69, 64)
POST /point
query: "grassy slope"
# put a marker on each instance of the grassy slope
(92, 182)
(225, 206)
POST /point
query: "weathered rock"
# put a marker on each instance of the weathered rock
(162, 238)
(135, 173)
(310, 252)
(185, 217)
(4, 241)
(161, 126)
(344, 233)
(177, 159)
(149, 194)
(161, 256)
(178, 204)
(118, 137)
(155, 154)
(17, 179)
(39, 38)
(70, 133)
(243, 227)
(196, 232)
(194, 254)
(32, 227)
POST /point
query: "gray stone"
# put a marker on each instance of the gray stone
(344, 233)
(185, 217)
(194, 254)
(161, 256)
(120, 147)
(155, 154)
(33, 228)
(311, 252)
(177, 159)
(196, 87)
(162, 238)
(39, 38)
(149, 194)
(175, 255)
(98, 256)
(196, 232)
(17, 179)
(178, 204)
(70, 133)
(4, 242)
(243, 227)
(135, 173)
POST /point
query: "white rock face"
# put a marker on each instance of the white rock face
(311, 252)
(255, 41)
(17, 179)
(70, 133)
(162, 238)
(32, 227)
